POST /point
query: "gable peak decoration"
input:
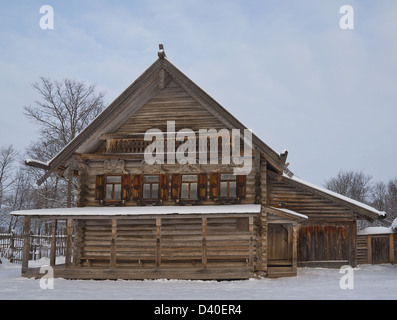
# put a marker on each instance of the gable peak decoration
(161, 52)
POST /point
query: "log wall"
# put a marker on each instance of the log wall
(178, 242)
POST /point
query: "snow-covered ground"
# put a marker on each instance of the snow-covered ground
(369, 282)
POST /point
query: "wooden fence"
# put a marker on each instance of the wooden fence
(11, 246)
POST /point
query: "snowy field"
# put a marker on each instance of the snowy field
(374, 282)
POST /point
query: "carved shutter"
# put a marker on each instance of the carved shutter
(175, 186)
(214, 185)
(163, 186)
(100, 187)
(202, 186)
(241, 186)
(126, 193)
(136, 187)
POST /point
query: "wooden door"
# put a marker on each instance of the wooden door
(278, 244)
(380, 249)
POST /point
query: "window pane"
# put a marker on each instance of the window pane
(193, 190)
(117, 192)
(109, 192)
(146, 191)
(228, 177)
(223, 189)
(185, 191)
(113, 179)
(151, 178)
(155, 191)
(189, 178)
(232, 189)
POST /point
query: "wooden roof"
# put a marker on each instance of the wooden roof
(142, 90)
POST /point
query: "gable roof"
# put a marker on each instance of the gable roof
(143, 89)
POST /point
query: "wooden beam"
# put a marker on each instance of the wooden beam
(53, 247)
(158, 242)
(204, 244)
(69, 243)
(391, 248)
(26, 242)
(251, 243)
(295, 228)
(113, 245)
(369, 249)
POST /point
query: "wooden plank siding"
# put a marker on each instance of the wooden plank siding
(376, 248)
(327, 238)
(169, 243)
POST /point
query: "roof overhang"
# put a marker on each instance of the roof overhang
(131, 211)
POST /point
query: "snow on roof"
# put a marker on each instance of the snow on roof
(375, 230)
(139, 210)
(337, 195)
(293, 213)
(394, 225)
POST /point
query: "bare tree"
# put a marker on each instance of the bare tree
(379, 195)
(7, 159)
(355, 185)
(64, 109)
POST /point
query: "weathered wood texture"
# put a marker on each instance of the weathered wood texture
(170, 242)
(284, 195)
(134, 168)
(323, 243)
(330, 233)
(171, 104)
(376, 249)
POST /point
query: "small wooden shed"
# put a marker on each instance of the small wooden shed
(376, 245)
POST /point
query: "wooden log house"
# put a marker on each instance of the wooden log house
(192, 220)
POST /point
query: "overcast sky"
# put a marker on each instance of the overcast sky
(286, 69)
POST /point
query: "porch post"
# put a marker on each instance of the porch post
(295, 247)
(113, 245)
(26, 243)
(69, 242)
(391, 247)
(158, 242)
(53, 242)
(204, 243)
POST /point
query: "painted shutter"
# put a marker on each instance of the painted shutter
(176, 186)
(126, 192)
(100, 187)
(163, 186)
(241, 186)
(136, 187)
(202, 186)
(214, 185)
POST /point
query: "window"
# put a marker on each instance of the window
(228, 186)
(189, 187)
(113, 188)
(151, 186)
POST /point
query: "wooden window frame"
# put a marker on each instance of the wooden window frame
(125, 189)
(151, 183)
(215, 187)
(113, 184)
(228, 181)
(189, 186)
